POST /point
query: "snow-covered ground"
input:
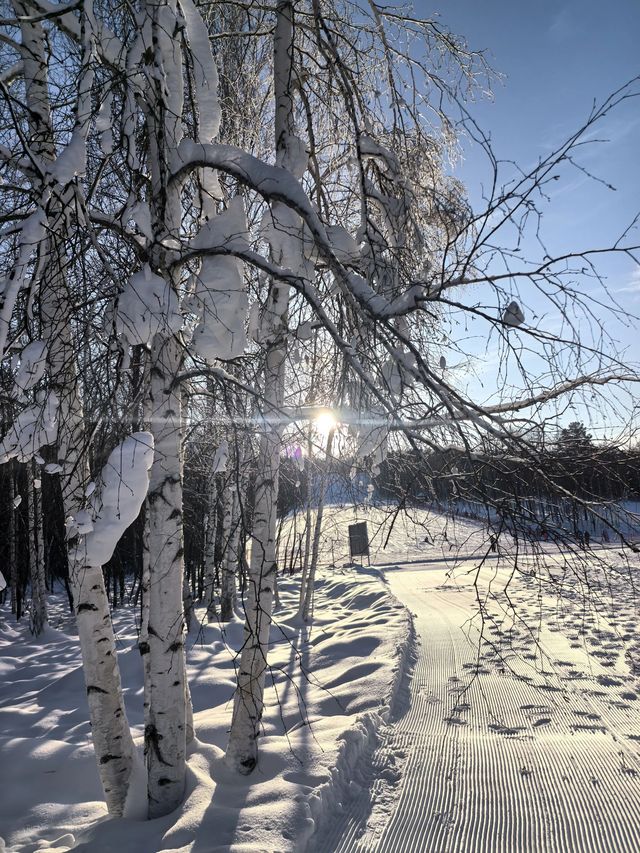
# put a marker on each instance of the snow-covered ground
(518, 731)
(328, 686)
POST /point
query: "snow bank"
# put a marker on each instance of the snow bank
(359, 741)
(328, 691)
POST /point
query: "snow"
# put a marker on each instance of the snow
(205, 73)
(220, 299)
(35, 427)
(220, 458)
(72, 161)
(44, 727)
(345, 248)
(282, 228)
(104, 124)
(33, 364)
(533, 749)
(293, 155)
(116, 505)
(147, 306)
(31, 234)
(304, 332)
(292, 223)
(141, 215)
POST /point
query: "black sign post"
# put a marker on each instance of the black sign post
(359, 540)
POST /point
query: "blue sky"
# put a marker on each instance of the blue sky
(557, 58)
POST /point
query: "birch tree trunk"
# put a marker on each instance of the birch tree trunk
(308, 525)
(210, 550)
(13, 568)
(227, 498)
(165, 730)
(242, 749)
(166, 724)
(36, 559)
(230, 562)
(306, 611)
(109, 727)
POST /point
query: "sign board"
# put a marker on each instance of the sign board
(359, 540)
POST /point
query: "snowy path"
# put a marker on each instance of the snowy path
(507, 764)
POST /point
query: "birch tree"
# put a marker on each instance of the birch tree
(282, 227)
(52, 179)
(362, 235)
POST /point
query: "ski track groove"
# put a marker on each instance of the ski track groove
(464, 789)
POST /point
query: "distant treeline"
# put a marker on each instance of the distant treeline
(586, 472)
(573, 470)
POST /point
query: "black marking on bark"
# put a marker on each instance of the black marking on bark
(163, 780)
(249, 763)
(143, 647)
(92, 688)
(103, 640)
(86, 605)
(152, 742)
(105, 759)
(177, 644)
(175, 514)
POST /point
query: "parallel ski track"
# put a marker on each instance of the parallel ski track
(527, 784)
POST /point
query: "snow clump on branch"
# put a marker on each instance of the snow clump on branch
(220, 298)
(125, 482)
(33, 363)
(148, 305)
(34, 428)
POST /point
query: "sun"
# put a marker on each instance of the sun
(325, 422)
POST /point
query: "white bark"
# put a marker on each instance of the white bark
(36, 560)
(227, 514)
(307, 591)
(110, 730)
(230, 562)
(145, 583)
(165, 729)
(13, 569)
(242, 749)
(210, 550)
(307, 529)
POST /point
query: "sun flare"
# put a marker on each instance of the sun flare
(325, 422)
